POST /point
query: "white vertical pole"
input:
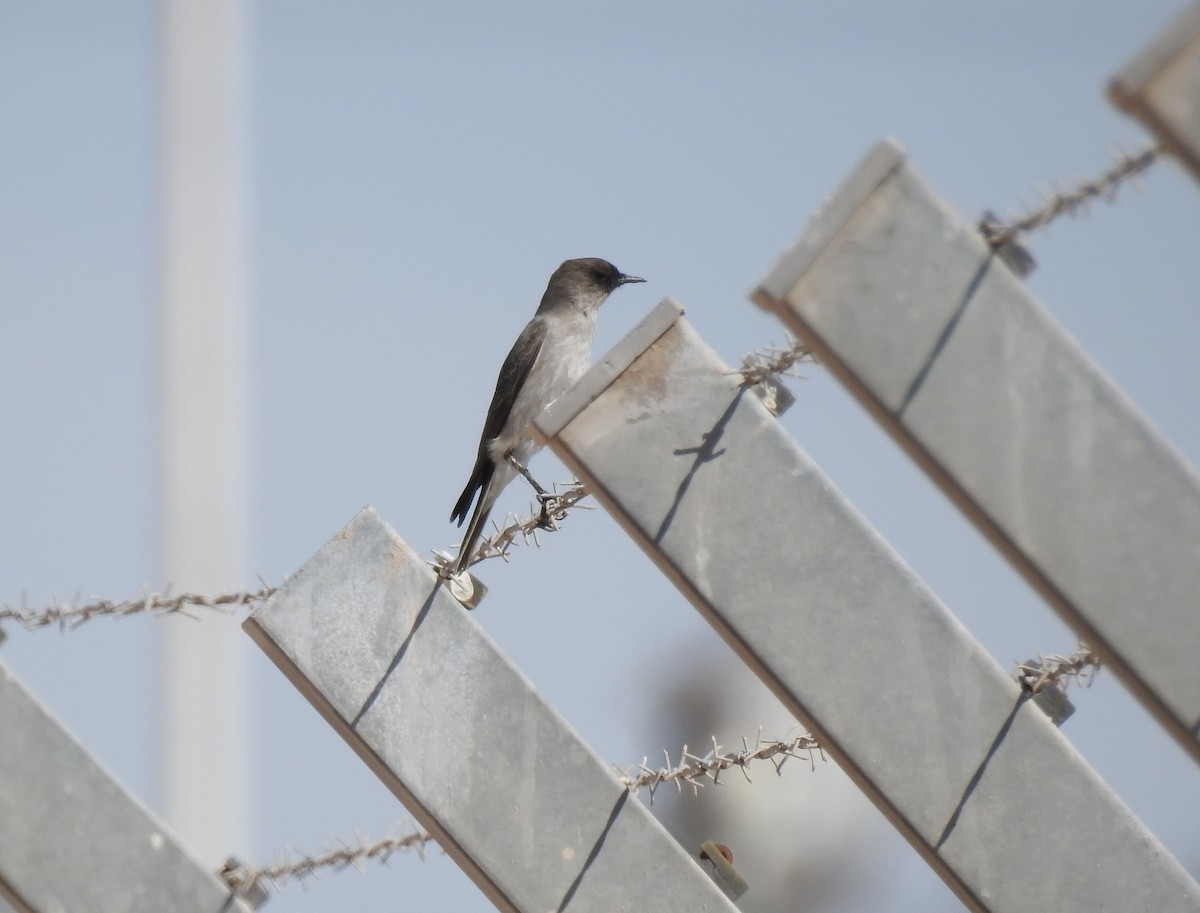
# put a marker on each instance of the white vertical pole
(202, 416)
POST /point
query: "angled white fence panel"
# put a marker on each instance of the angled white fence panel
(931, 727)
(73, 840)
(1161, 87)
(370, 635)
(924, 323)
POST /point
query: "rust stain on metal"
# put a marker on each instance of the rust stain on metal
(646, 379)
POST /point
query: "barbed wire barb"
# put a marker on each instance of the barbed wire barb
(71, 615)
(1058, 200)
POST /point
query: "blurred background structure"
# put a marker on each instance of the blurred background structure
(201, 412)
(412, 174)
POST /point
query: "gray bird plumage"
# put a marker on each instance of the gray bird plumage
(552, 353)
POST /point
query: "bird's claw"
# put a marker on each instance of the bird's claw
(546, 517)
(551, 511)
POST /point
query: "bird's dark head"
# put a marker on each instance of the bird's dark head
(584, 283)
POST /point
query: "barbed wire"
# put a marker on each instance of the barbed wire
(697, 771)
(243, 878)
(1056, 202)
(523, 528)
(1084, 663)
(72, 615)
(69, 616)
(1056, 669)
(773, 361)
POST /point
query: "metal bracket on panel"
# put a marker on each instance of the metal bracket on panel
(255, 894)
(468, 589)
(1014, 254)
(774, 395)
(1049, 697)
(728, 879)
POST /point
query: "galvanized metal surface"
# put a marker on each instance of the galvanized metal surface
(929, 725)
(71, 837)
(910, 309)
(369, 634)
(1161, 87)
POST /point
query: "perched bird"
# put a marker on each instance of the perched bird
(552, 352)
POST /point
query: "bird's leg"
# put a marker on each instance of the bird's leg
(545, 520)
(542, 494)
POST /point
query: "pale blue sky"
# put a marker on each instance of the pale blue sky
(415, 171)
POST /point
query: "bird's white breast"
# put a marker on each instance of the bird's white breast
(565, 356)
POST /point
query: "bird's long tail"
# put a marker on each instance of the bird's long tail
(474, 528)
(481, 481)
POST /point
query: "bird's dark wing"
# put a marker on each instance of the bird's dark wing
(512, 377)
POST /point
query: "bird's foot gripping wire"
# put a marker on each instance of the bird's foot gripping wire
(550, 502)
(550, 512)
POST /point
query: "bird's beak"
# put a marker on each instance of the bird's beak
(625, 280)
